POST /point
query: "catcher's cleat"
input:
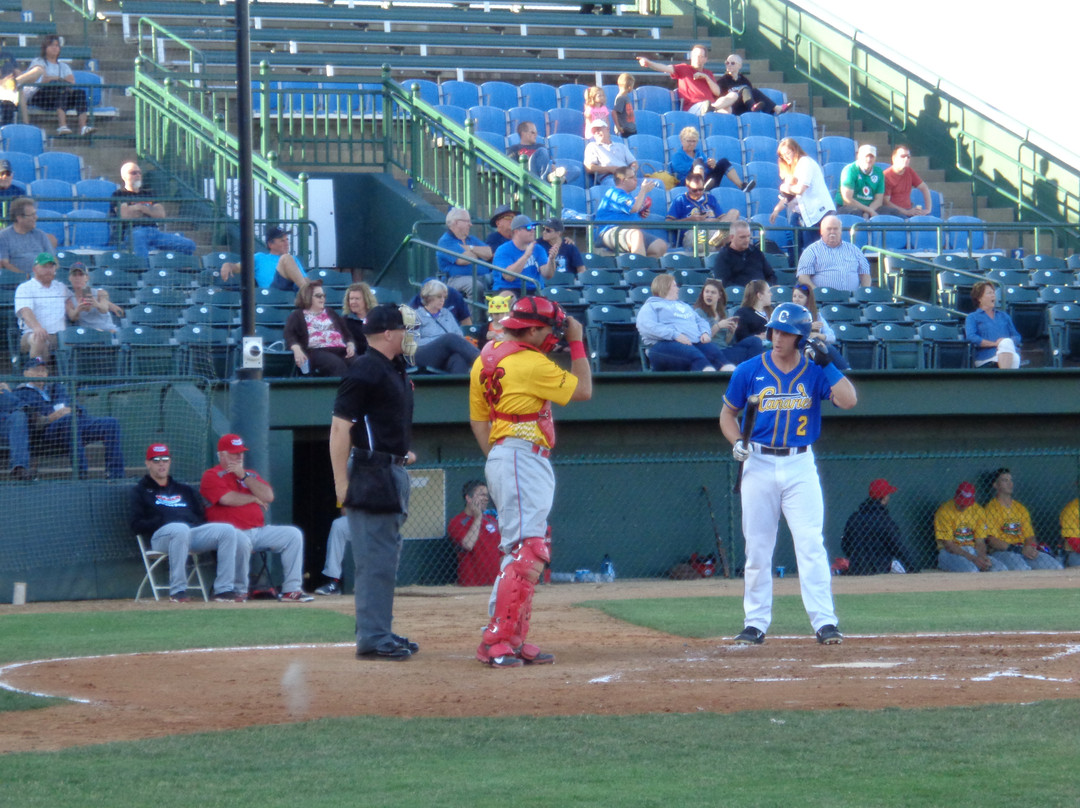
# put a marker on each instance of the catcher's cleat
(829, 635)
(499, 655)
(751, 636)
(531, 655)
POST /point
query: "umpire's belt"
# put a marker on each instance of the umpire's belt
(379, 458)
(780, 451)
(521, 443)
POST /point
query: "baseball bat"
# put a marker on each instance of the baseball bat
(720, 551)
(747, 430)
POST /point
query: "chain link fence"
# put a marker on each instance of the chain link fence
(659, 516)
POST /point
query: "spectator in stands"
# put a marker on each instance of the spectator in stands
(51, 414)
(712, 306)
(862, 185)
(459, 271)
(603, 157)
(739, 261)
(527, 144)
(321, 343)
(567, 255)
(171, 515)
(88, 307)
(605, 8)
(619, 203)
(738, 94)
(595, 109)
(240, 497)
(498, 310)
(134, 203)
(960, 531)
(694, 207)
(803, 294)
(52, 80)
(8, 186)
(15, 427)
(622, 110)
(455, 301)
(692, 159)
(871, 541)
(832, 261)
(440, 343)
(500, 220)
(753, 314)
(41, 304)
(677, 338)
(1069, 519)
(900, 179)
(338, 537)
(22, 241)
(991, 330)
(538, 160)
(524, 255)
(802, 189)
(475, 534)
(276, 268)
(359, 300)
(697, 86)
(1010, 536)
(9, 89)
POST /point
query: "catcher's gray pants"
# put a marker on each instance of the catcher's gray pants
(376, 548)
(178, 539)
(284, 539)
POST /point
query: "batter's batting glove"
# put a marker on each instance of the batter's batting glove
(815, 351)
(741, 450)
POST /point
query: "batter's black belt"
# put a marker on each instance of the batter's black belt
(780, 451)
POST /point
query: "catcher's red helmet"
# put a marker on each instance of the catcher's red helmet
(536, 311)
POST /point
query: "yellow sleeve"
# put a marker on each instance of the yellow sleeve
(943, 527)
(978, 520)
(478, 406)
(1027, 530)
(1070, 520)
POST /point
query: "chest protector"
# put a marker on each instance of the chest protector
(491, 379)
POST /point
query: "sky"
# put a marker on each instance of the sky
(999, 54)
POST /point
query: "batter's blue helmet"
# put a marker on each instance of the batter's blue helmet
(791, 318)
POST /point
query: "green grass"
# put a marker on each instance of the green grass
(938, 757)
(903, 613)
(988, 756)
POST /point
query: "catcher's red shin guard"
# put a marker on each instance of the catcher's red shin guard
(513, 597)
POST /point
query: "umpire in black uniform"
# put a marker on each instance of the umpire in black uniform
(369, 448)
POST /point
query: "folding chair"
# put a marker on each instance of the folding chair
(152, 559)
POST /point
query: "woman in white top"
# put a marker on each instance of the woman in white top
(53, 79)
(803, 294)
(802, 189)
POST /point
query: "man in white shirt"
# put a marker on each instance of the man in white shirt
(833, 262)
(602, 157)
(41, 306)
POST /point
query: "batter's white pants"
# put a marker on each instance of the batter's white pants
(789, 485)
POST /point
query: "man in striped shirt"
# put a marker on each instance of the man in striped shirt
(833, 262)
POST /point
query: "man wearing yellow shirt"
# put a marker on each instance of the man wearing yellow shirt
(1070, 532)
(512, 388)
(1010, 537)
(960, 530)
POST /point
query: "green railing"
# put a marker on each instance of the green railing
(204, 156)
(994, 151)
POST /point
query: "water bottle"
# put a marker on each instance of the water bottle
(607, 569)
(306, 367)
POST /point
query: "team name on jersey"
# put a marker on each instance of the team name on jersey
(774, 401)
(170, 501)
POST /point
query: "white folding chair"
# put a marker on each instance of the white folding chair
(152, 559)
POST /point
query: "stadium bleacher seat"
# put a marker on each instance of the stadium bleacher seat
(488, 119)
(856, 345)
(1037, 261)
(22, 137)
(649, 151)
(537, 117)
(56, 195)
(900, 346)
(654, 99)
(52, 222)
(1064, 325)
(800, 125)
(572, 96)
(676, 120)
(757, 124)
(59, 165)
(719, 124)
(499, 94)
(463, 94)
(568, 120)
(23, 168)
(759, 147)
(837, 149)
(945, 346)
(612, 336)
(539, 95)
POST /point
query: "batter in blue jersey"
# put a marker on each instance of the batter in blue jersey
(779, 473)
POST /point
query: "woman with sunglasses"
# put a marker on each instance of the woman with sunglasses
(319, 339)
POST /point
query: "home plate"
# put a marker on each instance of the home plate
(859, 665)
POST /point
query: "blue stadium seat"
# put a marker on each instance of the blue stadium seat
(455, 113)
(900, 348)
(428, 90)
(488, 119)
(60, 165)
(649, 123)
(889, 239)
(717, 146)
(565, 120)
(837, 149)
(649, 151)
(798, 124)
(538, 95)
(23, 137)
(945, 346)
(499, 94)
(57, 195)
(460, 93)
(676, 120)
(52, 222)
(95, 194)
(832, 172)
(847, 220)
(575, 198)
(808, 145)
(755, 124)
(569, 146)
(761, 201)
(759, 147)
(572, 96)
(23, 168)
(994, 261)
(730, 199)
(535, 116)
(1037, 261)
(494, 139)
(654, 99)
(720, 124)
(766, 172)
(924, 239)
(968, 240)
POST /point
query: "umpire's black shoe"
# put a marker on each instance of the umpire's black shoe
(750, 636)
(405, 642)
(389, 651)
(829, 635)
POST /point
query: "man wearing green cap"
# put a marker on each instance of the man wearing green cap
(41, 306)
(20, 242)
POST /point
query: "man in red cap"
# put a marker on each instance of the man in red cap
(171, 515)
(239, 497)
(960, 530)
(871, 540)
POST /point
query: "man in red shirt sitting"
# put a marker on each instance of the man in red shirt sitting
(476, 535)
(240, 497)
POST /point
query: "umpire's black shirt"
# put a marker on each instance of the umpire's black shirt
(377, 397)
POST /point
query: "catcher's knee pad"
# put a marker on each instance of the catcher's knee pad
(513, 597)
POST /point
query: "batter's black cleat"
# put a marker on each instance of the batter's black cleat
(391, 652)
(750, 636)
(829, 635)
(405, 642)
